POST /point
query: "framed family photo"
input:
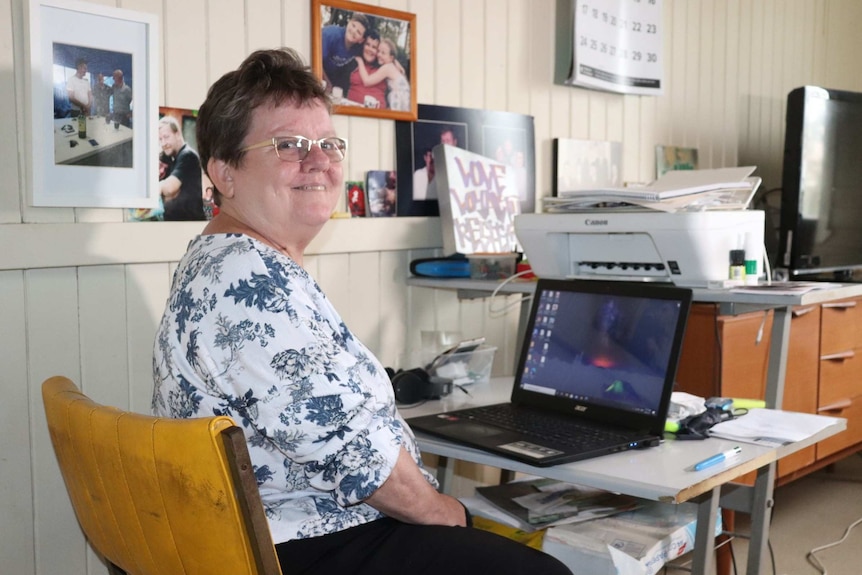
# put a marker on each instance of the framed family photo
(506, 137)
(366, 57)
(91, 87)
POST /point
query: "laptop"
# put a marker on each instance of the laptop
(595, 375)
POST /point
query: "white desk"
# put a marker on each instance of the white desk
(105, 134)
(659, 474)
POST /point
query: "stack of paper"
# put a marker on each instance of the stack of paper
(677, 190)
(772, 427)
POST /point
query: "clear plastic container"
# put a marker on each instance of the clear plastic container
(468, 367)
(484, 266)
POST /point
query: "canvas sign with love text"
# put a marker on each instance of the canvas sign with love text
(478, 202)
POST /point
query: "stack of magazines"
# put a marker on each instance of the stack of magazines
(539, 503)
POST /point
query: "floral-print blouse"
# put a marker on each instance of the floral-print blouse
(249, 334)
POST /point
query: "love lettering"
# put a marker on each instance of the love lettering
(483, 207)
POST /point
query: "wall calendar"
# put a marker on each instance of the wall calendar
(612, 45)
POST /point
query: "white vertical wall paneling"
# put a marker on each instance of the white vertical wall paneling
(673, 102)
(691, 89)
(821, 23)
(426, 48)
(448, 53)
(296, 26)
(333, 278)
(732, 78)
(719, 77)
(147, 287)
(843, 25)
(708, 101)
(103, 331)
(392, 305)
(363, 148)
(363, 277)
(540, 32)
(16, 481)
(745, 117)
(10, 196)
(263, 25)
(518, 56)
(473, 47)
(183, 35)
(226, 40)
(494, 53)
(630, 133)
(53, 349)
(598, 116)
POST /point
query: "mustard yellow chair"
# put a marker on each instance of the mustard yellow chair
(158, 496)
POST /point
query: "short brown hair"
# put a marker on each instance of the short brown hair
(265, 77)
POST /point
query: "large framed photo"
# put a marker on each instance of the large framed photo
(366, 57)
(92, 93)
(506, 137)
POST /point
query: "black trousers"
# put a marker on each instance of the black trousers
(389, 546)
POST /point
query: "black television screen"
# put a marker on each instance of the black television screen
(821, 198)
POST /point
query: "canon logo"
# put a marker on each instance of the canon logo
(590, 222)
(580, 408)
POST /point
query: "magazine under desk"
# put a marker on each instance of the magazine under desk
(659, 473)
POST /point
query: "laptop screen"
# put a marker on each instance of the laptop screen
(604, 345)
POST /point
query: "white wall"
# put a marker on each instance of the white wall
(80, 291)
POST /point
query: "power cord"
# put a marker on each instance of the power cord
(812, 555)
(499, 312)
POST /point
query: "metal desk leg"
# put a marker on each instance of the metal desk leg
(761, 513)
(445, 473)
(703, 562)
(778, 357)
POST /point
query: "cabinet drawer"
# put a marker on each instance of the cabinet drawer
(841, 326)
(840, 377)
(851, 436)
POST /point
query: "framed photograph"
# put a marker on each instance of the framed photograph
(366, 57)
(91, 87)
(669, 158)
(506, 137)
(355, 191)
(586, 165)
(380, 188)
(185, 191)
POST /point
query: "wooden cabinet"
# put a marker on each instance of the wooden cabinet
(728, 356)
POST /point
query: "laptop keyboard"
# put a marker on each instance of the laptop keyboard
(545, 426)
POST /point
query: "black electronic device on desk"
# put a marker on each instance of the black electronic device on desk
(594, 377)
(821, 203)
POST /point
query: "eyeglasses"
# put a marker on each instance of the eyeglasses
(296, 148)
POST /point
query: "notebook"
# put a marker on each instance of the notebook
(596, 368)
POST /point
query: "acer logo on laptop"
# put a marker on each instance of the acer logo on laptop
(580, 408)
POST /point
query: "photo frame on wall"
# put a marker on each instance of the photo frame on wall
(91, 87)
(506, 137)
(366, 57)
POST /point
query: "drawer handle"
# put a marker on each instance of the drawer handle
(840, 304)
(838, 406)
(840, 356)
(799, 312)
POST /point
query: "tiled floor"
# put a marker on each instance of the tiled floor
(811, 512)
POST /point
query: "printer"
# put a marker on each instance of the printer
(690, 249)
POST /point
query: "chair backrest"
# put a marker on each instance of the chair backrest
(159, 496)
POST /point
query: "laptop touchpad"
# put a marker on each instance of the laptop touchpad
(474, 430)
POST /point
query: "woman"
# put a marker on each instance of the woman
(398, 94)
(248, 333)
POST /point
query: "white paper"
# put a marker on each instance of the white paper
(773, 427)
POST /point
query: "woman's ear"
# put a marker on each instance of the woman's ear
(221, 174)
